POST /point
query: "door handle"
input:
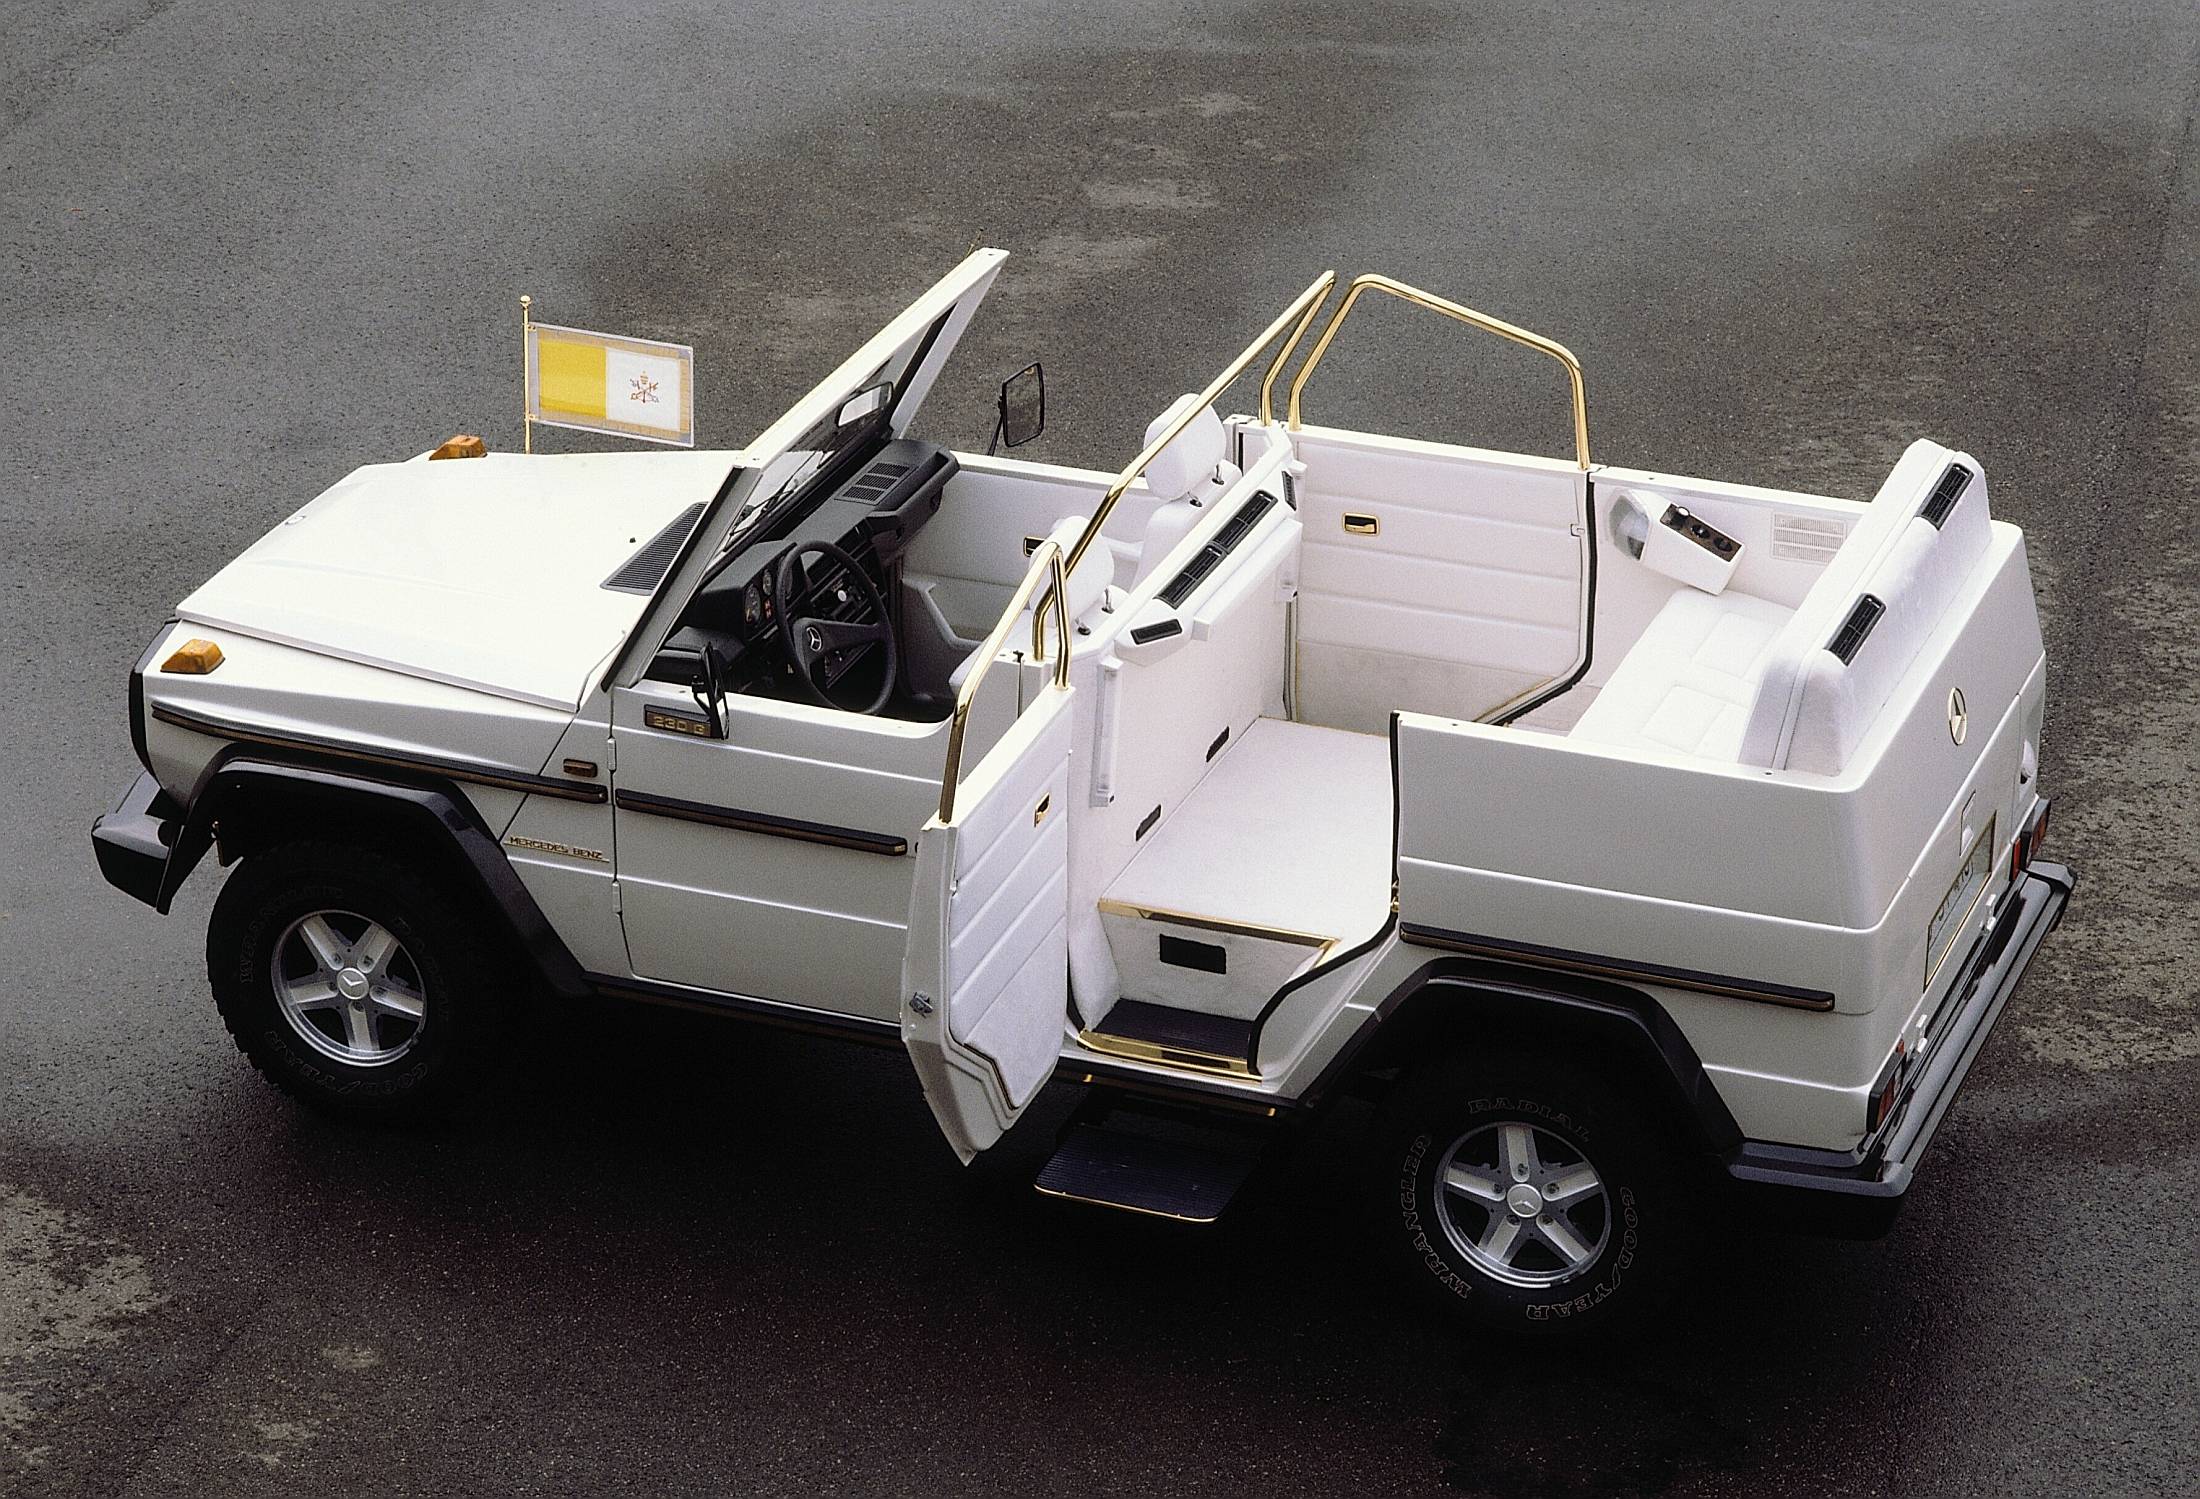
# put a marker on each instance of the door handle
(1356, 524)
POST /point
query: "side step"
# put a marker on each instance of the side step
(1146, 1173)
(1176, 1038)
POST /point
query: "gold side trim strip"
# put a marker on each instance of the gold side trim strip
(1166, 1056)
(1217, 924)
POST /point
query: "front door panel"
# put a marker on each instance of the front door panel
(773, 863)
(985, 987)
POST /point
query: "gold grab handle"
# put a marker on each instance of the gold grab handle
(1046, 564)
(1472, 319)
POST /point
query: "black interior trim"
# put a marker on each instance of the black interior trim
(1201, 957)
(1589, 618)
(1179, 1030)
(642, 572)
(767, 823)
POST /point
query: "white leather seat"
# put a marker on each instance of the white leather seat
(1191, 471)
(1688, 683)
(1737, 678)
(1086, 589)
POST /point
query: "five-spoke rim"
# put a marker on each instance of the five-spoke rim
(348, 988)
(1521, 1204)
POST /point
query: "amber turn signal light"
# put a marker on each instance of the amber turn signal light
(194, 658)
(464, 445)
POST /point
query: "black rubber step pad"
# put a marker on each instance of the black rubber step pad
(1143, 1173)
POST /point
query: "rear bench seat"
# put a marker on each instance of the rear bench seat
(1736, 678)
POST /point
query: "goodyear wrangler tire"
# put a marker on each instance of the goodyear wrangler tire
(354, 982)
(1529, 1198)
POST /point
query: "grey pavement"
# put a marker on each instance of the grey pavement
(245, 247)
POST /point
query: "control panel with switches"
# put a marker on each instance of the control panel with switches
(1683, 545)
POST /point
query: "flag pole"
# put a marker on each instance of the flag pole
(526, 375)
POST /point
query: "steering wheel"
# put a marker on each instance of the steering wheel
(816, 645)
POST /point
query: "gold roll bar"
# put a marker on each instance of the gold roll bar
(1301, 312)
(1467, 315)
(1046, 563)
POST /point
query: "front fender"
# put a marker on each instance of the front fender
(253, 802)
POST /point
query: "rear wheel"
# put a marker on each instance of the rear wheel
(1529, 1197)
(355, 983)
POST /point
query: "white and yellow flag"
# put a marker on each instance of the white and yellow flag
(598, 382)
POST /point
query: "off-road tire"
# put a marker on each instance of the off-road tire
(456, 956)
(1586, 1118)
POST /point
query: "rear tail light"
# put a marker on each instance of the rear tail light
(2029, 838)
(1889, 1088)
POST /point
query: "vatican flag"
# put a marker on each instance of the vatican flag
(597, 382)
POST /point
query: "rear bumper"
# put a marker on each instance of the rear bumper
(132, 842)
(1859, 1191)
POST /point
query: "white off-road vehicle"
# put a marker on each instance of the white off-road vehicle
(1630, 838)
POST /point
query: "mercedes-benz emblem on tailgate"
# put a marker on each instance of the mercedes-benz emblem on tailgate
(1958, 719)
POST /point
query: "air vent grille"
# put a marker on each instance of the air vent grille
(642, 572)
(875, 481)
(1850, 637)
(1807, 538)
(1233, 531)
(1945, 494)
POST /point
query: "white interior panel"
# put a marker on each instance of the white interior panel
(1470, 590)
(1289, 831)
(989, 933)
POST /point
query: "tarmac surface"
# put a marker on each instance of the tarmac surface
(246, 247)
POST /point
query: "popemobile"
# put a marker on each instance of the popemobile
(1644, 847)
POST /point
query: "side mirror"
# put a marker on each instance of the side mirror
(709, 690)
(1023, 407)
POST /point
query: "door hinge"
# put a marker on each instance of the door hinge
(920, 1002)
(618, 900)
(611, 751)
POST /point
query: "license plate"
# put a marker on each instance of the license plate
(1961, 900)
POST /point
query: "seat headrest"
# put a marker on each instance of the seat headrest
(1088, 584)
(1190, 460)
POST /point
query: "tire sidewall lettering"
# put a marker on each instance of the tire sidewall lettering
(1415, 1195)
(1424, 1248)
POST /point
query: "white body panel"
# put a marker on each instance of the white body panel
(1755, 828)
(479, 572)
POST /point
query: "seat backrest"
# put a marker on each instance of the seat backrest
(1180, 470)
(1835, 663)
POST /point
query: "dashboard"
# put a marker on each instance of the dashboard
(871, 510)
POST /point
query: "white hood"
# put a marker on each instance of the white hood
(482, 572)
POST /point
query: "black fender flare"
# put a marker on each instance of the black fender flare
(1453, 1001)
(258, 794)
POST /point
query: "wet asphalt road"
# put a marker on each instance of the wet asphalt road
(244, 248)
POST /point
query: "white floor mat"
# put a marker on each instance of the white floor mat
(1290, 828)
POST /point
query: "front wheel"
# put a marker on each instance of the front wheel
(1529, 1197)
(354, 982)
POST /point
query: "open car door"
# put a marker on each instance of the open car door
(985, 980)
